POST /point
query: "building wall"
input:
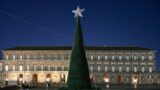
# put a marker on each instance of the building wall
(119, 66)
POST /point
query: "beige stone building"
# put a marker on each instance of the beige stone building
(119, 65)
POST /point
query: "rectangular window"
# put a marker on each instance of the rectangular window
(49, 67)
(65, 68)
(150, 57)
(106, 68)
(20, 57)
(6, 68)
(20, 68)
(14, 57)
(127, 69)
(135, 57)
(120, 57)
(6, 57)
(34, 67)
(62, 57)
(99, 57)
(62, 68)
(142, 69)
(142, 57)
(113, 68)
(127, 57)
(31, 68)
(13, 67)
(28, 57)
(120, 69)
(27, 68)
(150, 69)
(106, 57)
(91, 67)
(135, 69)
(99, 68)
(91, 57)
(59, 68)
(113, 57)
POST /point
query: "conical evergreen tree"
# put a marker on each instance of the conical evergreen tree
(78, 75)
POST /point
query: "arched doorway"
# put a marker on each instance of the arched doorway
(20, 79)
(120, 79)
(105, 78)
(127, 79)
(62, 78)
(92, 78)
(48, 77)
(34, 78)
(143, 80)
(135, 79)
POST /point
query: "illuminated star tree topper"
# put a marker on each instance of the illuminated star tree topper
(78, 12)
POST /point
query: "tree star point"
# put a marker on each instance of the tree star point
(78, 12)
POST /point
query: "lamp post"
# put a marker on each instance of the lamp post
(106, 80)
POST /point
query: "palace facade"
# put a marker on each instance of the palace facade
(119, 65)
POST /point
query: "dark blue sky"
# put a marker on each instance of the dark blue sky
(51, 23)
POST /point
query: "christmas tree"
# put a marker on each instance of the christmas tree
(78, 75)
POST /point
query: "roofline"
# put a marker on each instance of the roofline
(39, 48)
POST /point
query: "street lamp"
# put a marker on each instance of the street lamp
(106, 80)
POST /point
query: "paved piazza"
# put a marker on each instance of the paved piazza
(112, 87)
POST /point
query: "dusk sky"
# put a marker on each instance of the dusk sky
(105, 22)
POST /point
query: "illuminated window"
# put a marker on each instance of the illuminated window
(14, 57)
(106, 68)
(20, 68)
(113, 57)
(135, 69)
(150, 57)
(28, 57)
(27, 68)
(113, 68)
(20, 57)
(106, 57)
(99, 57)
(127, 69)
(142, 69)
(127, 57)
(150, 69)
(91, 57)
(34, 67)
(120, 69)
(6, 57)
(120, 57)
(142, 57)
(62, 57)
(99, 68)
(135, 57)
(6, 68)
(13, 67)
(91, 67)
